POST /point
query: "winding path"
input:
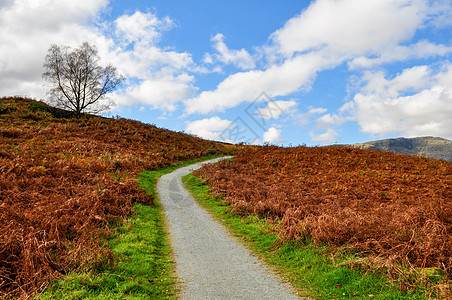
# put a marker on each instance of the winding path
(209, 262)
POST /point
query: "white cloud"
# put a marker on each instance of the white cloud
(141, 27)
(326, 123)
(417, 102)
(240, 58)
(440, 13)
(277, 80)
(162, 92)
(31, 16)
(420, 49)
(305, 118)
(330, 119)
(209, 128)
(317, 110)
(350, 26)
(143, 62)
(327, 137)
(275, 109)
(322, 37)
(156, 76)
(273, 136)
(415, 78)
(28, 28)
(6, 3)
(207, 58)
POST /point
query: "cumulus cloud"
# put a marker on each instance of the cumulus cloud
(327, 137)
(417, 102)
(277, 80)
(27, 16)
(141, 26)
(305, 118)
(26, 35)
(239, 58)
(275, 109)
(422, 49)
(209, 128)
(317, 110)
(323, 36)
(162, 92)
(156, 76)
(143, 62)
(324, 130)
(330, 119)
(350, 26)
(415, 78)
(273, 136)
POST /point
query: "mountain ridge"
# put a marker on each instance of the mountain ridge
(428, 146)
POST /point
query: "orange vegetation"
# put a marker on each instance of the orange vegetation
(394, 206)
(64, 182)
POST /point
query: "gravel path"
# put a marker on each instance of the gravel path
(210, 263)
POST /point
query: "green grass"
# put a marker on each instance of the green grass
(309, 268)
(145, 269)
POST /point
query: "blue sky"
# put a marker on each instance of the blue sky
(291, 72)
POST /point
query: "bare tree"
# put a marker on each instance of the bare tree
(76, 81)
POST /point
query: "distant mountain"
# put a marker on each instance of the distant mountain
(433, 147)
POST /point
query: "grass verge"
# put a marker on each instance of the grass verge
(315, 271)
(145, 269)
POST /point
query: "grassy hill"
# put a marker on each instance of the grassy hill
(66, 182)
(394, 210)
(432, 147)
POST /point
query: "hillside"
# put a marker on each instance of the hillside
(386, 206)
(65, 182)
(432, 147)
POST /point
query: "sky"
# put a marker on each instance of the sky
(288, 72)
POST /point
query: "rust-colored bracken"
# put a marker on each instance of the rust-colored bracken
(65, 181)
(380, 203)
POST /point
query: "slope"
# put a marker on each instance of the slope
(388, 207)
(65, 182)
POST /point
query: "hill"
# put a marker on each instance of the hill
(388, 207)
(433, 147)
(65, 182)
